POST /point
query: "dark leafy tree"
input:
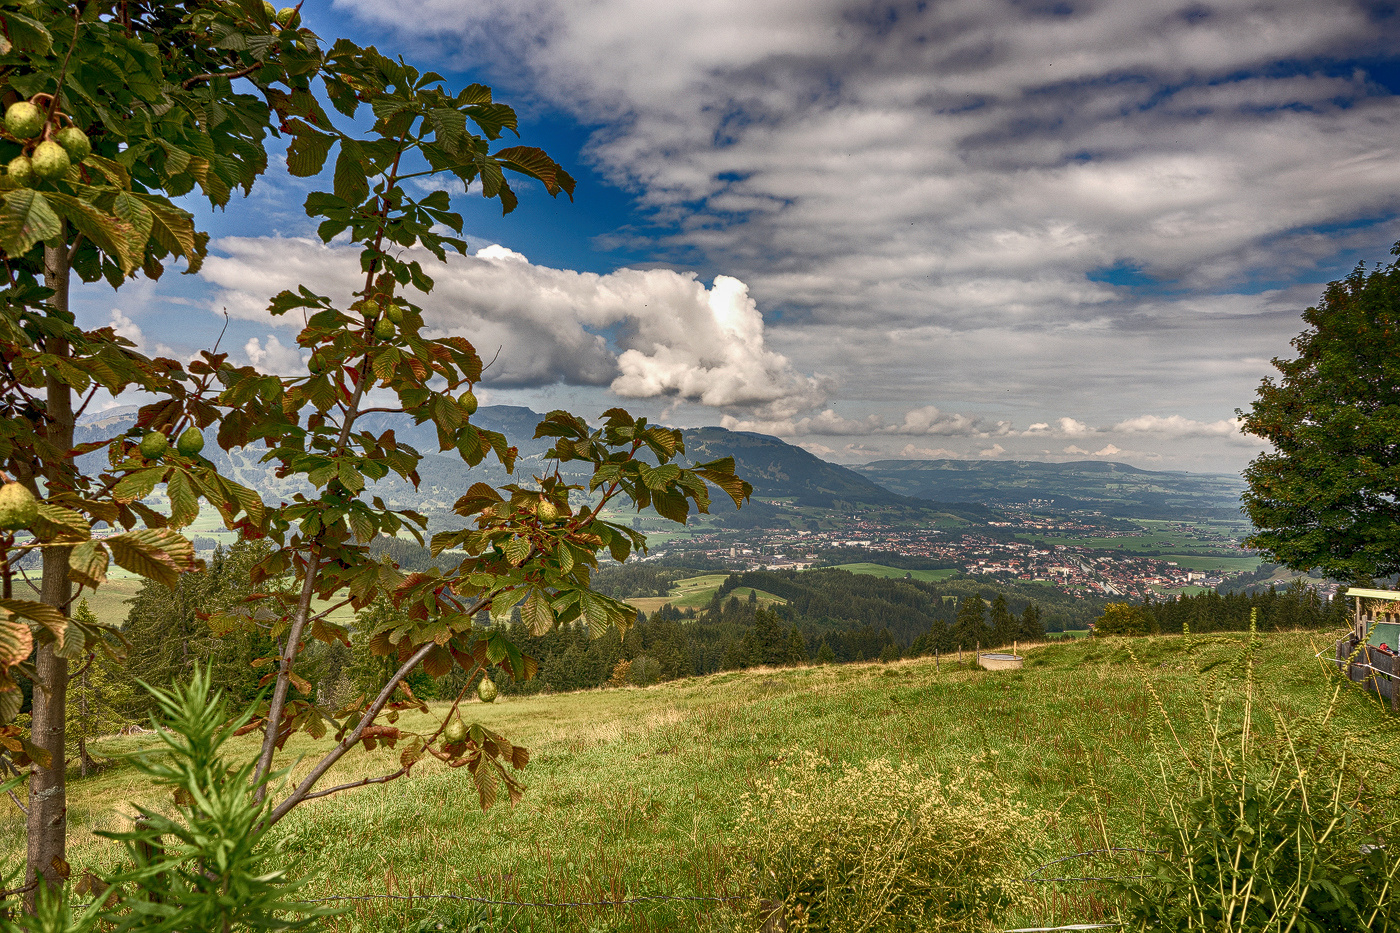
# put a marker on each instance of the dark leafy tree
(1327, 497)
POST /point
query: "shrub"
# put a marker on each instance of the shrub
(878, 848)
(1267, 831)
(1124, 619)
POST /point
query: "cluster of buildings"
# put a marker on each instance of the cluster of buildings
(1072, 568)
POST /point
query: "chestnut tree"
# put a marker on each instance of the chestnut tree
(113, 108)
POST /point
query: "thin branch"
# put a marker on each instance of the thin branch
(345, 744)
(73, 250)
(284, 679)
(354, 784)
(189, 83)
(86, 402)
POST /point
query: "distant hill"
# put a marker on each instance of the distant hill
(777, 470)
(1115, 489)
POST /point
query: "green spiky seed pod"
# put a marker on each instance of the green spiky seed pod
(23, 120)
(486, 690)
(468, 402)
(288, 17)
(50, 160)
(154, 445)
(191, 442)
(456, 730)
(18, 507)
(21, 171)
(384, 328)
(394, 313)
(74, 142)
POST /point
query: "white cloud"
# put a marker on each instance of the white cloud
(671, 336)
(996, 450)
(1108, 450)
(273, 357)
(928, 420)
(711, 350)
(1073, 449)
(1177, 426)
(911, 452)
(124, 326)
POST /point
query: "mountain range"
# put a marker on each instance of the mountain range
(951, 493)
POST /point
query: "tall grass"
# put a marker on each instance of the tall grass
(1267, 822)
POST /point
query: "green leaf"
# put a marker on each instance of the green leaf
(529, 160)
(88, 564)
(25, 219)
(155, 553)
(16, 641)
(27, 35)
(137, 485)
(40, 613)
(184, 504)
(306, 156)
(110, 234)
(173, 229)
(517, 548)
(56, 522)
(536, 613)
(502, 604)
(351, 183)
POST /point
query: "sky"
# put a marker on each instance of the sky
(968, 229)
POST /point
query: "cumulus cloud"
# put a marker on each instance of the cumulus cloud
(1108, 450)
(124, 326)
(273, 357)
(925, 421)
(644, 333)
(996, 450)
(1177, 426)
(928, 420)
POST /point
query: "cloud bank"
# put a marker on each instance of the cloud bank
(642, 333)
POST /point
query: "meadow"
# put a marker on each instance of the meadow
(638, 791)
(697, 592)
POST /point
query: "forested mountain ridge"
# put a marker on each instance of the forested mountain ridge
(777, 470)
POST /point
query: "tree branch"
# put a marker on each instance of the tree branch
(347, 743)
(284, 678)
(189, 83)
(354, 784)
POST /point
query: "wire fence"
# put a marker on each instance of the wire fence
(1032, 878)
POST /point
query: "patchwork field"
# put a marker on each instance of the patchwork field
(696, 593)
(638, 791)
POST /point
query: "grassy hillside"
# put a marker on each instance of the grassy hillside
(638, 791)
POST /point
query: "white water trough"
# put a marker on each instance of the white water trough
(1001, 662)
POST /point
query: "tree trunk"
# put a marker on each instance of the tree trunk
(48, 803)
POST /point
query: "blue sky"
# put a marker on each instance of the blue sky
(974, 228)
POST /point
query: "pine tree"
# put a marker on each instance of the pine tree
(98, 697)
(1004, 625)
(970, 629)
(1032, 628)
